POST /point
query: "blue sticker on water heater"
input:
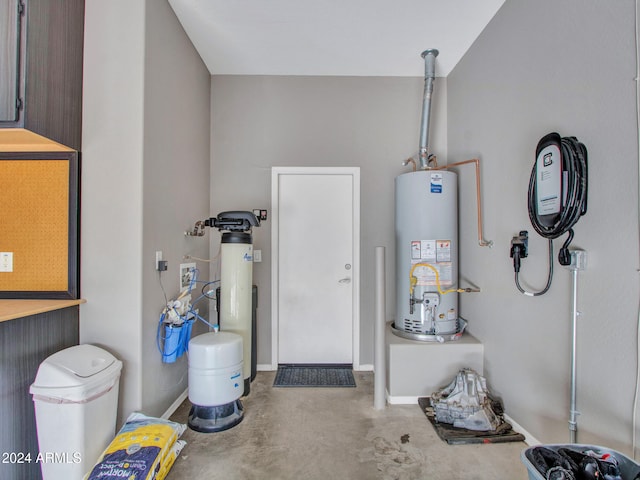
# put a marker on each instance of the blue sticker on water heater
(436, 182)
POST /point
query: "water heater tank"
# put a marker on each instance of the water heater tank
(426, 231)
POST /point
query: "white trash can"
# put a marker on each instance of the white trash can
(75, 396)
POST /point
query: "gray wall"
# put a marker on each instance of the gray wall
(111, 213)
(372, 123)
(144, 182)
(544, 66)
(176, 186)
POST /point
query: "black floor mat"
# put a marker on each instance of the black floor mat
(459, 436)
(314, 376)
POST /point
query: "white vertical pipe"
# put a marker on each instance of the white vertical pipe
(379, 367)
(573, 424)
(578, 262)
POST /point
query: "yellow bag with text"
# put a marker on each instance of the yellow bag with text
(144, 449)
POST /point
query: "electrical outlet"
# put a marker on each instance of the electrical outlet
(6, 261)
(161, 265)
(261, 214)
(578, 259)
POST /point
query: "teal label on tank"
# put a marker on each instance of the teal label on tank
(436, 183)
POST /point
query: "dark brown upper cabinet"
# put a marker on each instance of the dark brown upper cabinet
(43, 80)
(11, 74)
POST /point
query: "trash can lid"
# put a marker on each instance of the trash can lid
(76, 366)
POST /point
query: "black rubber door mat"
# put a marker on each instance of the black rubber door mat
(314, 376)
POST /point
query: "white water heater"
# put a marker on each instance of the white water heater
(426, 227)
(426, 232)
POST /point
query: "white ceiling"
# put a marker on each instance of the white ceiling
(332, 37)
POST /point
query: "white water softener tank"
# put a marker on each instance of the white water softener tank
(215, 381)
(236, 279)
(75, 396)
(426, 227)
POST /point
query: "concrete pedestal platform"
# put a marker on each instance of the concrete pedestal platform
(417, 369)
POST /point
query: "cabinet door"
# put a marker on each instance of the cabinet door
(53, 70)
(10, 65)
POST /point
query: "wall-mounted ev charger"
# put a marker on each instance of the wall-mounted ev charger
(550, 178)
(557, 198)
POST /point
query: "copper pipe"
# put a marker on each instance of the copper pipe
(408, 161)
(481, 241)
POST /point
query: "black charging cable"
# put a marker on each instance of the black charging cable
(574, 161)
(519, 247)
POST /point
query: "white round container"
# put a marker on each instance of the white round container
(215, 369)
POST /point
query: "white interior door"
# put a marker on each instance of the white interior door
(316, 266)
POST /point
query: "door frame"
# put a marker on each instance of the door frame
(276, 172)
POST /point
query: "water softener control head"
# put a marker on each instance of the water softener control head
(234, 221)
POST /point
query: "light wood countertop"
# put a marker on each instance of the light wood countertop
(12, 309)
(22, 140)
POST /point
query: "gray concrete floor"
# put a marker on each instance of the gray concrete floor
(335, 433)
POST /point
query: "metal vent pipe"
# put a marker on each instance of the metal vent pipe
(429, 76)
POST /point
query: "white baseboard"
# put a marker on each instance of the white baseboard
(367, 367)
(528, 438)
(174, 406)
(400, 400)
